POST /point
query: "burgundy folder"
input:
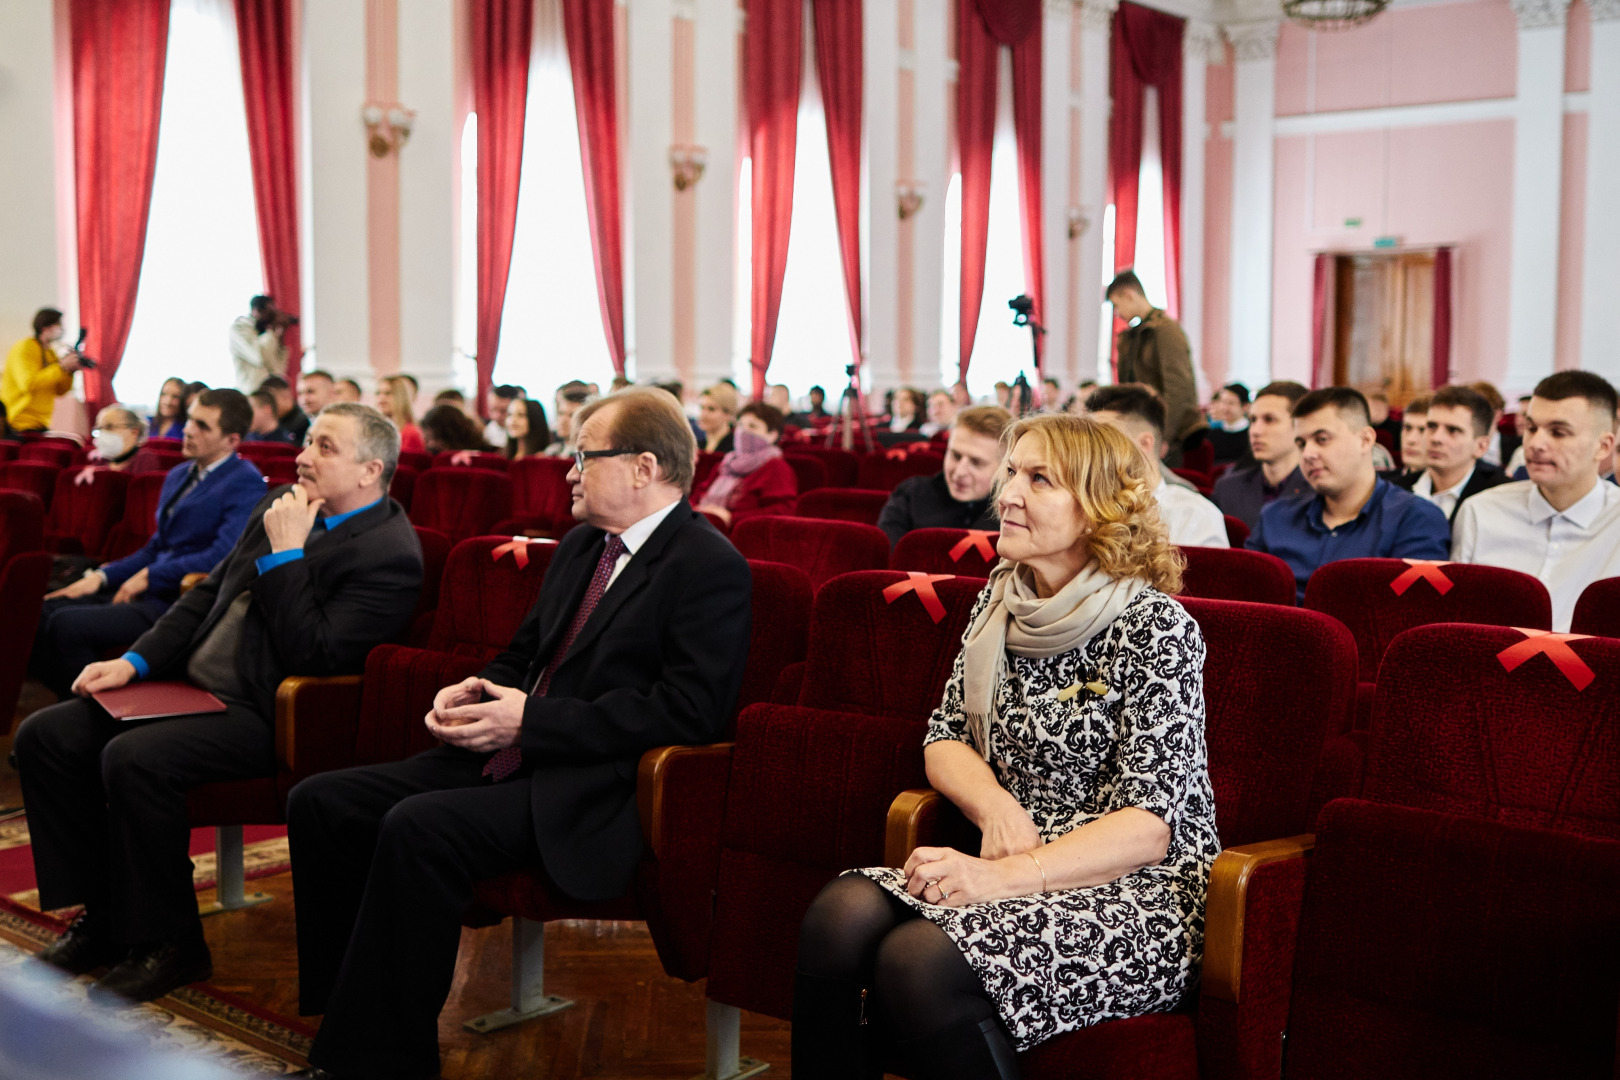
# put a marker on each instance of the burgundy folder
(156, 700)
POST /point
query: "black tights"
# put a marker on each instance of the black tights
(879, 987)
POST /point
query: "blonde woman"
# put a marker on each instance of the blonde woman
(1072, 735)
(393, 400)
(717, 415)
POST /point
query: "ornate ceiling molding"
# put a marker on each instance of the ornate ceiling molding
(1257, 41)
(1535, 14)
(1097, 14)
(1203, 41)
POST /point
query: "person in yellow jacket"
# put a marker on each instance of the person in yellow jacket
(34, 376)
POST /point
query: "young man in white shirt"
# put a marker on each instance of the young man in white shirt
(1563, 524)
(1457, 429)
(1136, 410)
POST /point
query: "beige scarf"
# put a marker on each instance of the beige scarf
(1017, 620)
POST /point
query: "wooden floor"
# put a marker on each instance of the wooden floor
(630, 1020)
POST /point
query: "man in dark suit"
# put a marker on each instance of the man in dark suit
(1271, 470)
(327, 569)
(202, 511)
(638, 639)
(1459, 425)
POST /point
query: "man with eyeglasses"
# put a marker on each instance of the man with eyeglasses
(638, 640)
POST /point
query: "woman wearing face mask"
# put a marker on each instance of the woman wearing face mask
(753, 479)
(169, 421)
(117, 437)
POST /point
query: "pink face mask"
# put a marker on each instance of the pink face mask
(750, 442)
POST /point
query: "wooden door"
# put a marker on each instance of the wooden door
(1384, 323)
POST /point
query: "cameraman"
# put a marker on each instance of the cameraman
(256, 344)
(38, 371)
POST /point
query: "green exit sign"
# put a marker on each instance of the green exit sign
(1352, 223)
(1387, 242)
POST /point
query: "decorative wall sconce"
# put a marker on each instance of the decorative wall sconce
(388, 126)
(1078, 222)
(909, 195)
(687, 163)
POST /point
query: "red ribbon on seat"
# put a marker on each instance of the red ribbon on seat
(519, 547)
(1562, 656)
(85, 476)
(897, 454)
(462, 458)
(923, 585)
(1426, 569)
(975, 538)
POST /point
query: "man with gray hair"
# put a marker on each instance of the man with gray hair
(327, 569)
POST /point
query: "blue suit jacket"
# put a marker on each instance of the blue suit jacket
(202, 530)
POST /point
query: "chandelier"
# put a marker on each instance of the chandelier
(1332, 14)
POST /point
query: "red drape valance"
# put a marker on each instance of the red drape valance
(269, 51)
(772, 68)
(588, 25)
(1146, 51)
(839, 71)
(118, 50)
(1440, 365)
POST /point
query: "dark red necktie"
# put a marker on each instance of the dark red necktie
(505, 762)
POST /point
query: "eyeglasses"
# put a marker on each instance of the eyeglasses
(582, 456)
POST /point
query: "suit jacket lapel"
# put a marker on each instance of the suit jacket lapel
(555, 619)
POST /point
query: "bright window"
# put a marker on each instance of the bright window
(1149, 258)
(201, 265)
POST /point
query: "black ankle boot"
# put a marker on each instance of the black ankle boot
(966, 1052)
(832, 1039)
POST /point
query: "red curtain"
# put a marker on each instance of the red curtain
(118, 52)
(772, 69)
(1440, 366)
(588, 25)
(1321, 277)
(269, 52)
(839, 59)
(1026, 91)
(502, 37)
(1146, 51)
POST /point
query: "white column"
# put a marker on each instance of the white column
(1096, 16)
(337, 305)
(1058, 22)
(714, 60)
(427, 206)
(1201, 44)
(1253, 174)
(1538, 149)
(1600, 277)
(28, 213)
(651, 250)
(935, 84)
(881, 47)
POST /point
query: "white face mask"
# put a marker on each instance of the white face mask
(109, 445)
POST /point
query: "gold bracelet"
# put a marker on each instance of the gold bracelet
(1041, 868)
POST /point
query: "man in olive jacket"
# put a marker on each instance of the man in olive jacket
(1155, 351)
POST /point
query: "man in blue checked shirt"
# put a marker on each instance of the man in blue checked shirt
(326, 569)
(1354, 513)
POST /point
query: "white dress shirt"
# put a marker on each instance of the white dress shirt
(1446, 500)
(1515, 527)
(635, 536)
(495, 434)
(1193, 520)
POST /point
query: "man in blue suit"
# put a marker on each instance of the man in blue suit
(203, 509)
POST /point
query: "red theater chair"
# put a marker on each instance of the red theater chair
(490, 583)
(416, 459)
(1200, 458)
(278, 470)
(842, 466)
(968, 552)
(822, 549)
(8, 450)
(1200, 480)
(885, 469)
(264, 451)
(435, 553)
(25, 567)
(1235, 574)
(842, 504)
(87, 504)
(142, 501)
(1266, 730)
(1237, 533)
(470, 459)
(1598, 609)
(704, 467)
(461, 502)
(808, 470)
(30, 476)
(1379, 598)
(176, 445)
(55, 455)
(542, 498)
(403, 486)
(157, 460)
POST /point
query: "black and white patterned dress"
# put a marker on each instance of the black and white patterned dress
(1053, 963)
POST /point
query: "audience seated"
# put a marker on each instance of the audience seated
(539, 762)
(169, 418)
(499, 402)
(346, 390)
(117, 438)
(1271, 470)
(446, 427)
(957, 497)
(752, 479)
(1414, 442)
(1457, 432)
(266, 425)
(293, 420)
(107, 801)
(717, 411)
(525, 432)
(1228, 430)
(941, 414)
(907, 410)
(1355, 513)
(1137, 411)
(316, 390)
(393, 399)
(1563, 524)
(1501, 446)
(570, 398)
(205, 504)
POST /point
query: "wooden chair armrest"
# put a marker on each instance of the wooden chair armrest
(712, 762)
(191, 581)
(336, 698)
(909, 814)
(1227, 903)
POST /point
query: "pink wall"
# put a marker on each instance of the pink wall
(1571, 242)
(1212, 352)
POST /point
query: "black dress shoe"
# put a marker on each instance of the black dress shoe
(81, 948)
(151, 971)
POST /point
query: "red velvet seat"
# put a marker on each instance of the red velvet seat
(31, 476)
(542, 498)
(1200, 480)
(82, 514)
(435, 554)
(946, 551)
(808, 470)
(8, 450)
(1598, 609)
(486, 595)
(278, 470)
(842, 504)
(822, 549)
(165, 445)
(264, 451)
(403, 486)
(157, 460)
(1237, 533)
(461, 502)
(842, 467)
(1200, 457)
(52, 454)
(25, 567)
(883, 470)
(702, 468)
(470, 459)
(1236, 574)
(416, 459)
(142, 500)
